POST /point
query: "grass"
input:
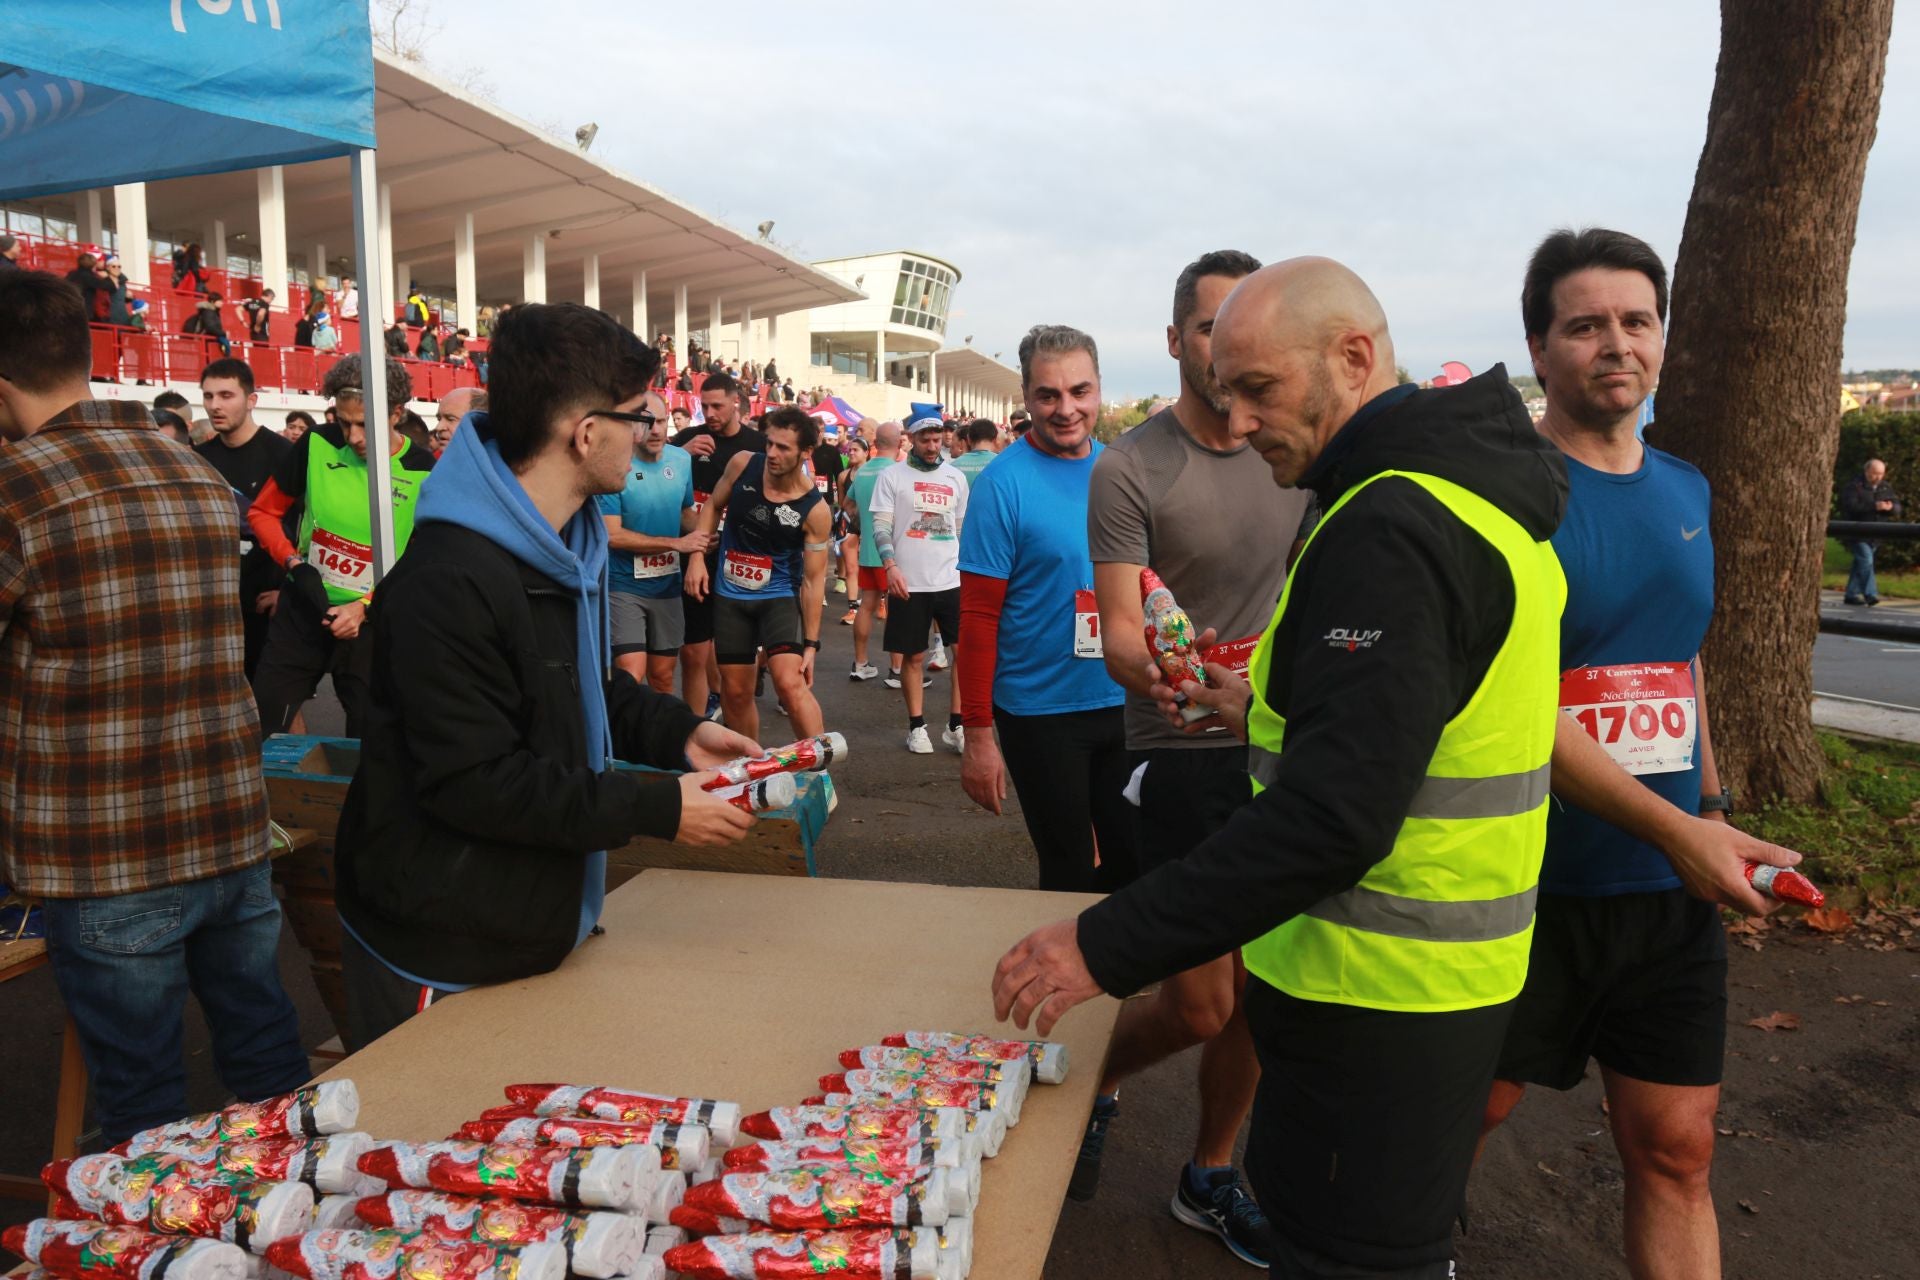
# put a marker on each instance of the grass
(1863, 842)
(1895, 584)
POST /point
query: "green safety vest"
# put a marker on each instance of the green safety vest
(336, 528)
(1445, 920)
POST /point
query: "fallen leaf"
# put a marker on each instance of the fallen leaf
(1725, 1133)
(1750, 1206)
(1883, 1004)
(1829, 920)
(1542, 1167)
(1777, 1021)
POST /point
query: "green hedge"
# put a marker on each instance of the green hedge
(1894, 438)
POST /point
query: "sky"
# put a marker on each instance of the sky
(1069, 159)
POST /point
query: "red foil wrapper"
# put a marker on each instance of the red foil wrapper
(766, 1255)
(817, 1199)
(97, 1251)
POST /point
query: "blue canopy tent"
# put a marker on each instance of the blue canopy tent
(105, 92)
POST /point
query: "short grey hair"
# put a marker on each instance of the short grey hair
(344, 381)
(1054, 340)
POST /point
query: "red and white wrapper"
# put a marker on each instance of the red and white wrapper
(332, 1106)
(395, 1255)
(326, 1163)
(1049, 1058)
(603, 1103)
(762, 795)
(775, 1255)
(97, 1251)
(892, 1120)
(943, 1066)
(825, 1199)
(892, 1086)
(876, 1155)
(165, 1195)
(600, 1245)
(809, 755)
(682, 1146)
(594, 1178)
(704, 1222)
(661, 1239)
(1008, 1094)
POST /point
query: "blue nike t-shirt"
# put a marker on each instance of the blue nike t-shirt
(1639, 564)
(656, 494)
(1027, 523)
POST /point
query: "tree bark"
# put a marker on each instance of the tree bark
(1751, 388)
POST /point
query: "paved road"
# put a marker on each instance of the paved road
(1875, 670)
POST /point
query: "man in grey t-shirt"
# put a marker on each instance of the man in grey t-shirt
(1180, 495)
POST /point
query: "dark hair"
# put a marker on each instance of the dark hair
(1566, 251)
(1231, 263)
(305, 418)
(7, 242)
(171, 400)
(1054, 340)
(414, 428)
(981, 431)
(239, 370)
(799, 421)
(719, 380)
(550, 359)
(164, 418)
(43, 331)
(345, 381)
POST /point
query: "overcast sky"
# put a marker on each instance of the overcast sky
(1071, 158)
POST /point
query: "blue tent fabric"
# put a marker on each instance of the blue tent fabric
(100, 92)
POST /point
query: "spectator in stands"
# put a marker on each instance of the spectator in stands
(134, 807)
(189, 273)
(484, 322)
(105, 292)
(455, 405)
(428, 347)
(684, 382)
(82, 272)
(9, 253)
(418, 315)
(770, 374)
(325, 336)
(299, 422)
(255, 312)
(787, 392)
(206, 321)
(349, 301)
(397, 340)
(456, 349)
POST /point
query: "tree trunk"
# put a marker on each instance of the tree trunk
(1751, 389)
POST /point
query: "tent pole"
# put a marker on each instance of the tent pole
(375, 308)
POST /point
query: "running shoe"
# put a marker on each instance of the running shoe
(918, 742)
(840, 586)
(863, 671)
(1228, 1210)
(956, 738)
(893, 680)
(1086, 1166)
(851, 614)
(881, 612)
(937, 658)
(713, 706)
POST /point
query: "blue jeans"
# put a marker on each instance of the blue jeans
(1860, 581)
(124, 965)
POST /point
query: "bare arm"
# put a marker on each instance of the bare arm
(621, 538)
(1123, 627)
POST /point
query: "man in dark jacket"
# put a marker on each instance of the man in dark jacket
(471, 845)
(1401, 719)
(1867, 496)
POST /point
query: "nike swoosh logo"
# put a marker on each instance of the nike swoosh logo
(336, 466)
(1689, 536)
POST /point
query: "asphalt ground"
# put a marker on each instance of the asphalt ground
(1835, 1146)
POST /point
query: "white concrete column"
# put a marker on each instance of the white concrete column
(216, 245)
(680, 337)
(92, 224)
(933, 375)
(746, 334)
(317, 270)
(533, 268)
(130, 226)
(403, 275)
(591, 288)
(879, 355)
(273, 232)
(386, 264)
(466, 288)
(713, 326)
(642, 324)
(773, 345)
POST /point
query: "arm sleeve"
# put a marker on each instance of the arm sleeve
(649, 728)
(1361, 728)
(1117, 531)
(981, 600)
(460, 701)
(266, 517)
(880, 513)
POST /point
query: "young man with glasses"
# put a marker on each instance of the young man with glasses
(650, 525)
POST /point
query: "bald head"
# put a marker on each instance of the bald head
(886, 439)
(455, 405)
(1299, 346)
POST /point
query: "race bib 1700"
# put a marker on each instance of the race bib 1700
(1644, 714)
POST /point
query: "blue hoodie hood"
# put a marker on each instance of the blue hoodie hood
(472, 487)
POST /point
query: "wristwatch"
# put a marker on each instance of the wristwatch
(811, 644)
(1722, 803)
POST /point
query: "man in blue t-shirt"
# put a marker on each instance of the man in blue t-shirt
(650, 525)
(1033, 668)
(1629, 961)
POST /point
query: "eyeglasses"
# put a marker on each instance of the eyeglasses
(640, 416)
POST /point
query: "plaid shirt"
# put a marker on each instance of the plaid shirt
(129, 743)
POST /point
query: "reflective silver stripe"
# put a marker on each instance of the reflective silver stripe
(1486, 920)
(1504, 795)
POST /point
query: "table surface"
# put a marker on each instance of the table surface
(745, 988)
(23, 956)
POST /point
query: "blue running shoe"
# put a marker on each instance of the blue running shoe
(1225, 1207)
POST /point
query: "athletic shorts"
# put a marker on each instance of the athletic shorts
(646, 624)
(696, 619)
(873, 579)
(908, 620)
(1186, 795)
(1637, 981)
(743, 627)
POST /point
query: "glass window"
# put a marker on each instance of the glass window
(900, 287)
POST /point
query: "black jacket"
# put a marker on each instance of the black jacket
(1362, 721)
(1858, 499)
(462, 845)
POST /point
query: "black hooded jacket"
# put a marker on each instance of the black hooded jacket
(1434, 601)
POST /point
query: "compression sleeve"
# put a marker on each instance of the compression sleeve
(264, 517)
(981, 600)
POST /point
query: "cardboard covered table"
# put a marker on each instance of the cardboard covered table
(745, 988)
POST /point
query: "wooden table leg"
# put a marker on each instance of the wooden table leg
(70, 1110)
